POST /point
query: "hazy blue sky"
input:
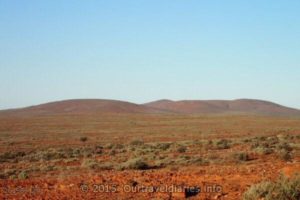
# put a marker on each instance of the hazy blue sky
(141, 51)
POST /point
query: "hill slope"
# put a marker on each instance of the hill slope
(82, 106)
(98, 106)
(243, 106)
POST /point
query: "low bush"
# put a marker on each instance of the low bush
(181, 149)
(284, 146)
(98, 149)
(241, 156)
(86, 152)
(163, 146)
(136, 143)
(272, 140)
(162, 163)
(118, 146)
(109, 146)
(112, 152)
(95, 165)
(199, 161)
(48, 168)
(284, 155)
(255, 145)
(23, 175)
(83, 139)
(105, 166)
(247, 140)
(264, 150)
(222, 144)
(11, 156)
(135, 163)
(262, 138)
(89, 164)
(284, 188)
(10, 173)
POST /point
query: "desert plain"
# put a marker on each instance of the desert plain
(116, 150)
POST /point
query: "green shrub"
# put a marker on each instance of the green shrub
(136, 163)
(284, 146)
(283, 189)
(163, 146)
(13, 177)
(255, 145)
(272, 140)
(86, 152)
(259, 191)
(90, 164)
(51, 154)
(181, 149)
(162, 163)
(23, 175)
(186, 157)
(118, 146)
(223, 144)
(48, 168)
(108, 146)
(105, 166)
(262, 138)
(242, 156)
(136, 143)
(11, 156)
(267, 145)
(98, 149)
(9, 172)
(199, 161)
(264, 150)
(284, 155)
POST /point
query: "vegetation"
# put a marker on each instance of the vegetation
(136, 143)
(138, 155)
(90, 164)
(23, 175)
(274, 144)
(284, 188)
(83, 139)
(5, 157)
(136, 163)
(222, 144)
(163, 146)
(284, 155)
(181, 149)
(241, 156)
(264, 150)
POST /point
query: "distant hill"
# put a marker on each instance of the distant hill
(98, 106)
(82, 106)
(239, 106)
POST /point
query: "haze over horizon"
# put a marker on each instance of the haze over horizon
(145, 51)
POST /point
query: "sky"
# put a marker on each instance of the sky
(140, 51)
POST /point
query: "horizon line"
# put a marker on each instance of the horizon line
(127, 101)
